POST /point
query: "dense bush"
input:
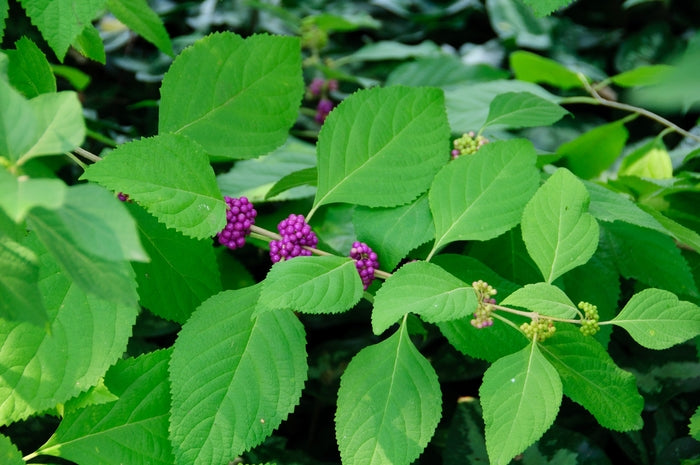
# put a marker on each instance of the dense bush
(360, 233)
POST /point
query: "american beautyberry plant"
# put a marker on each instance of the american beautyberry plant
(538, 228)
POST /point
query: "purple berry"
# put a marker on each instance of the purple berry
(365, 261)
(240, 216)
(322, 109)
(316, 86)
(123, 197)
(296, 234)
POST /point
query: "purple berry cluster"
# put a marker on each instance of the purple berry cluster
(319, 89)
(240, 216)
(365, 262)
(296, 234)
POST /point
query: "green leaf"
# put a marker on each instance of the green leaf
(653, 163)
(390, 50)
(40, 369)
(520, 396)
(591, 379)
(61, 127)
(19, 128)
(514, 21)
(465, 438)
(242, 95)
(19, 195)
(4, 11)
(531, 67)
(393, 232)
(300, 179)
(108, 279)
(468, 103)
(679, 232)
(29, 70)
(558, 231)
(9, 454)
(255, 178)
(90, 45)
(182, 272)
(546, 7)
(649, 256)
(441, 71)
(608, 205)
(543, 298)
(424, 289)
(507, 256)
(656, 319)
(642, 76)
(398, 135)
(327, 284)
(234, 378)
(171, 177)
(523, 110)
(133, 429)
(21, 299)
(694, 426)
(60, 21)
(483, 195)
(593, 152)
(97, 395)
(140, 18)
(93, 220)
(389, 404)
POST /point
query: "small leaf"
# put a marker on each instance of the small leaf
(171, 177)
(642, 76)
(398, 135)
(391, 50)
(389, 404)
(523, 110)
(29, 70)
(41, 368)
(21, 299)
(393, 232)
(483, 195)
(654, 163)
(424, 289)
(520, 396)
(544, 299)
(694, 426)
(133, 429)
(140, 18)
(89, 44)
(327, 284)
(596, 150)
(234, 378)
(60, 21)
(531, 67)
(243, 94)
(20, 195)
(181, 274)
(558, 231)
(656, 319)
(9, 454)
(591, 378)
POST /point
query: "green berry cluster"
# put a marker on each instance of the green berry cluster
(312, 37)
(468, 144)
(539, 330)
(482, 314)
(589, 322)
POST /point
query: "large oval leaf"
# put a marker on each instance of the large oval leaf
(234, 378)
(389, 404)
(543, 298)
(381, 147)
(481, 196)
(558, 231)
(236, 97)
(171, 177)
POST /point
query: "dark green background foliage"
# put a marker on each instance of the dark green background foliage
(127, 335)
